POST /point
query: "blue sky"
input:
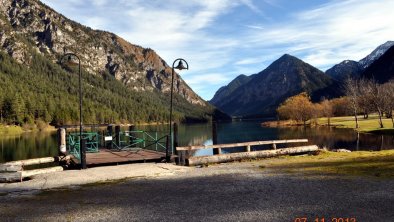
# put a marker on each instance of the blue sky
(221, 39)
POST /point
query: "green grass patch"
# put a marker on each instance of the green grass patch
(362, 163)
(10, 130)
(365, 125)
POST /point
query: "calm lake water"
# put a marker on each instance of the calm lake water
(33, 145)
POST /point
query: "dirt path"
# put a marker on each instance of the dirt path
(224, 192)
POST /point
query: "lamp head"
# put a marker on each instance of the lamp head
(180, 66)
(70, 61)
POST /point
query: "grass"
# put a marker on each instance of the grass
(10, 130)
(361, 163)
(370, 125)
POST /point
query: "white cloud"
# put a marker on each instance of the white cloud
(333, 32)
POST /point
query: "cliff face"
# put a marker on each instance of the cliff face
(29, 25)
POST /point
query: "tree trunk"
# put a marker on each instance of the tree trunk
(380, 118)
(355, 117)
(329, 121)
(230, 157)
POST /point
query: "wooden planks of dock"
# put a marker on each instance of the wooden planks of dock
(106, 156)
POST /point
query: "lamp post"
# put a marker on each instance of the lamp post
(180, 66)
(82, 151)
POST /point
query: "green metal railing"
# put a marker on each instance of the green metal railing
(127, 140)
(73, 143)
(140, 139)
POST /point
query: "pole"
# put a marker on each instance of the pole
(168, 155)
(83, 146)
(81, 151)
(83, 154)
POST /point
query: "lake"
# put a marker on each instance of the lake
(33, 145)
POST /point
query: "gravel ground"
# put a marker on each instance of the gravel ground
(224, 192)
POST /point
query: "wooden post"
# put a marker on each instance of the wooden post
(117, 136)
(131, 134)
(61, 135)
(274, 146)
(215, 137)
(109, 133)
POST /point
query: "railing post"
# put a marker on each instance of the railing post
(83, 153)
(156, 141)
(168, 155)
(109, 131)
(131, 134)
(215, 137)
(117, 136)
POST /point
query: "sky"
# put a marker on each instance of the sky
(221, 39)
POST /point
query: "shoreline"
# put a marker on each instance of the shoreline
(366, 164)
(365, 125)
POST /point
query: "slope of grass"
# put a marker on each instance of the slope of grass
(362, 163)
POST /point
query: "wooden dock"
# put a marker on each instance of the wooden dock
(107, 157)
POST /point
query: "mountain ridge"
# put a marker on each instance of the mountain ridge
(122, 82)
(261, 95)
(33, 24)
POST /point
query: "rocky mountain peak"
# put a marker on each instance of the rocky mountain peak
(375, 54)
(264, 91)
(347, 68)
(29, 26)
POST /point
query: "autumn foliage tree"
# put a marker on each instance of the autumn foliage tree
(298, 107)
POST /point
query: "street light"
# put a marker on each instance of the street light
(180, 66)
(82, 152)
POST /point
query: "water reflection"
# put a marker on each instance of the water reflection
(33, 145)
(27, 145)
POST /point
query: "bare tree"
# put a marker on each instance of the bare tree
(378, 99)
(365, 98)
(352, 93)
(327, 110)
(388, 91)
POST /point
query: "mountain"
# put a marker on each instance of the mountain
(382, 69)
(225, 91)
(375, 54)
(32, 33)
(353, 69)
(345, 69)
(261, 95)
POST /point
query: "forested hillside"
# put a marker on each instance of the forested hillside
(45, 91)
(122, 82)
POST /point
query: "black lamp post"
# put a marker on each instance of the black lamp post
(82, 151)
(180, 66)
